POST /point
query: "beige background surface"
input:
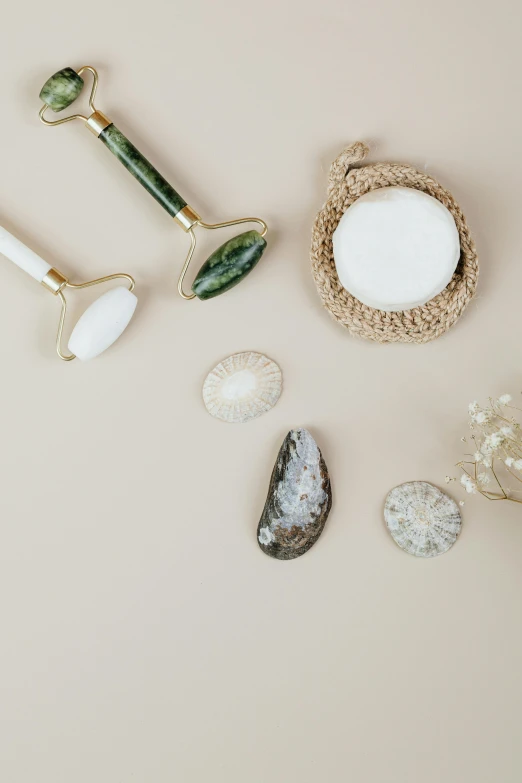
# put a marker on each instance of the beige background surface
(144, 636)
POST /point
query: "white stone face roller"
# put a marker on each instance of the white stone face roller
(103, 321)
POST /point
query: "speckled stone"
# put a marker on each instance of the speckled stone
(229, 264)
(299, 499)
(423, 520)
(61, 89)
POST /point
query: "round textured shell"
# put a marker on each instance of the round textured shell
(242, 387)
(422, 519)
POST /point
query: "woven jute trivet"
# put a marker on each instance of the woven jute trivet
(420, 324)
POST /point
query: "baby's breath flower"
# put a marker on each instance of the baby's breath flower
(486, 447)
(492, 442)
(468, 483)
(497, 438)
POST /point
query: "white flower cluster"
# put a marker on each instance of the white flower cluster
(513, 463)
(497, 452)
(468, 483)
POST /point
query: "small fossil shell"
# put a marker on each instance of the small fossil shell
(242, 387)
(299, 499)
(422, 519)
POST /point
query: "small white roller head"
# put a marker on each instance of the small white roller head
(102, 323)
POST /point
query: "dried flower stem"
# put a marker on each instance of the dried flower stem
(497, 437)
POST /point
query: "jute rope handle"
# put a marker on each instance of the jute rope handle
(343, 163)
(420, 324)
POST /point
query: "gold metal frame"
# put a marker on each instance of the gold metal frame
(55, 282)
(210, 227)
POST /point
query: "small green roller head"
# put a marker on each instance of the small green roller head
(61, 89)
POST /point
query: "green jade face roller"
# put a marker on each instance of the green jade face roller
(227, 265)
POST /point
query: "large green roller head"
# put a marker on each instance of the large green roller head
(229, 264)
(61, 89)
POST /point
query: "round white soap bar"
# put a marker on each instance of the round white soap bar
(102, 323)
(396, 248)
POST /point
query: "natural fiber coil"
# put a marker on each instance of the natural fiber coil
(420, 324)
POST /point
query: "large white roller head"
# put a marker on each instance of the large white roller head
(102, 323)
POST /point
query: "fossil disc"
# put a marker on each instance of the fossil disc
(242, 387)
(422, 519)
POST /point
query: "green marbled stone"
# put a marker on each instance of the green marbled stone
(61, 89)
(144, 171)
(229, 264)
